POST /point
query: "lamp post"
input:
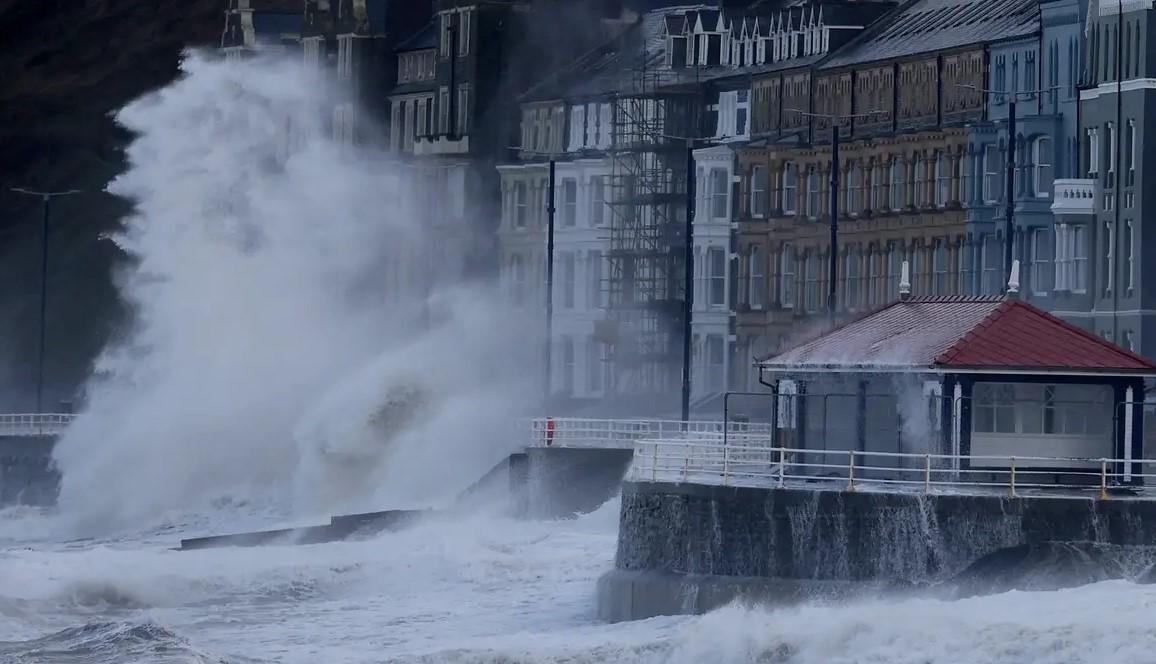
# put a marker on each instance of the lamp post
(1010, 180)
(46, 199)
(551, 209)
(688, 280)
(837, 120)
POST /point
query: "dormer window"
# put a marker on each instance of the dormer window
(762, 51)
(676, 55)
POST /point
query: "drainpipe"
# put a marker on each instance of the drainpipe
(1009, 211)
(1117, 185)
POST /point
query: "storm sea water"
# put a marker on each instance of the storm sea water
(264, 382)
(484, 589)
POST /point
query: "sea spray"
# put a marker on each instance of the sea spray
(260, 254)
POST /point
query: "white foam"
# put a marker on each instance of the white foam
(270, 279)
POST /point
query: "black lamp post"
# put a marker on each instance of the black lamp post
(41, 346)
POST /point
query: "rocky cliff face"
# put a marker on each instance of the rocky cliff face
(65, 67)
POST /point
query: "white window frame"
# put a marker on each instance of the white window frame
(940, 279)
(991, 174)
(720, 190)
(521, 204)
(759, 192)
(1109, 257)
(569, 195)
(598, 200)
(716, 277)
(444, 47)
(1039, 264)
(1042, 169)
(344, 57)
(757, 278)
(1130, 256)
(942, 180)
(814, 203)
(854, 190)
(1093, 152)
(895, 189)
(595, 374)
(463, 33)
(594, 280)
(569, 279)
(715, 355)
(790, 187)
(787, 276)
(1079, 244)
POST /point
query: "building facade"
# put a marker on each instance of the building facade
(1100, 224)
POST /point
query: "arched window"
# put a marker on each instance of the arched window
(1042, 159)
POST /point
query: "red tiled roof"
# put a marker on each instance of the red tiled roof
(1019, 335)
(960, 333)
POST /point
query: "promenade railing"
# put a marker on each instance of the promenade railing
(34, 424)
(744, 462)
(621, 434)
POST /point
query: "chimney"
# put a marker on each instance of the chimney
(1013, 282)
(905, 283)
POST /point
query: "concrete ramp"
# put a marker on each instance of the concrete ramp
(338, 528)
(504, 485)
(541, 483)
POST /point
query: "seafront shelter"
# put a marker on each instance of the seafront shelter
(971, 384)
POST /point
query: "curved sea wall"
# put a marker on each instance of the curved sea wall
(685, 548)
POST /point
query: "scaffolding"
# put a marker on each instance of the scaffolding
(646, 296)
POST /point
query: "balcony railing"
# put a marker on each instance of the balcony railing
(38, 424)
(1076, 196)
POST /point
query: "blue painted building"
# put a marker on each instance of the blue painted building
(1040, 71)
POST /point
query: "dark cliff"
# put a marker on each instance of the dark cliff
(65, 67)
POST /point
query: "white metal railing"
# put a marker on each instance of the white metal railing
(621, 434)
(34, 424)
(744, 462)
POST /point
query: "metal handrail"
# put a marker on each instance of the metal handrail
(34, 424)
(621, 434)
(709, 462)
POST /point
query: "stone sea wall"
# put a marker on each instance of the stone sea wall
(699, 541)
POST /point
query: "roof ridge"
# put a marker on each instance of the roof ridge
(957, 347)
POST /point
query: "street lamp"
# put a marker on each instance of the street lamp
(46, 198)
(1010, 202)
(550, 211)
(837, 120)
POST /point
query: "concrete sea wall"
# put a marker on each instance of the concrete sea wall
(687, 548)
(26, 473)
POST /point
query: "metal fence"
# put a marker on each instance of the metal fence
(621, 434)
(743, 464)
(38, 424)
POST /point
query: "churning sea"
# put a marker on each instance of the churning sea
(482, 589)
